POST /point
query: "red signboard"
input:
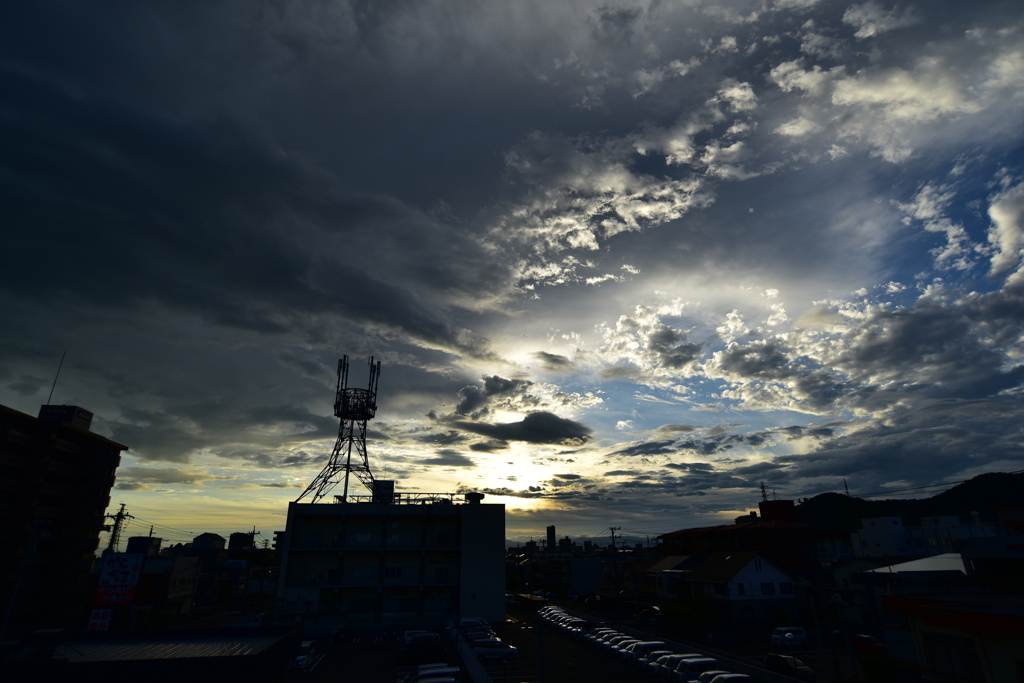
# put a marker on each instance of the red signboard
(115, 595)
(99, 620)
(118, 578)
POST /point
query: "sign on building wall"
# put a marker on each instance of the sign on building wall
(119, 578)
(99, 620)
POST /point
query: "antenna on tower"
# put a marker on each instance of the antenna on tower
(764, 492)
(354, 407)
(50, 397)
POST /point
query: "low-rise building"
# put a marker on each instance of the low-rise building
(393, 562)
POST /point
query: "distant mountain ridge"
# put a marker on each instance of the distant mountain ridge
(982, 494)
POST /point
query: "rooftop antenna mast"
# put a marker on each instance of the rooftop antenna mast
(354, 407)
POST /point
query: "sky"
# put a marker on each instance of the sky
(621, 261)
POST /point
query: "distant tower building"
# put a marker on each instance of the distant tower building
(565, 545)
(588, 546)
(56, 479)
(552, 544)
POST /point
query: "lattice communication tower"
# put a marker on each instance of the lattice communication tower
(354, 407)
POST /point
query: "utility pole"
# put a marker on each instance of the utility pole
(613, 529)
(115, 532)
(846, 486)
(764, 492)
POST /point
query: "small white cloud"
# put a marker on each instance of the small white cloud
(794, 4)
(870, 19)
(797, 127)
(624, 425)
(1007, 231)
(737, 95)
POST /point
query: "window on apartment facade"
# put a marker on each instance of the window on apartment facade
(741, 589)
(757, 564)
(767, 589)
(392, 572)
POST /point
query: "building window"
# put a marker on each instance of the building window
(767, 589)
(757, 564)
(441, 573)
(740, 589)
(392, 572)
(786, 587)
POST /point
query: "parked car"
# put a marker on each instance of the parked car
(788, 666)
(619, 649)
(651, 657)
(494, 649)
(786, 636)
(707, 676)
(608, 644)
(869, 645)
(668, 664)
(451, 672)
(690, 667)
(638, 650)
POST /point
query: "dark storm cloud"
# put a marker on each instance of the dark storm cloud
(797, 432)
(554, 363)
(649, 448)
(696, 467)
(531, 492)
(675, 429)
(448, 458)
(948, 437)
(206, 218)
(491, 446)
(620, 372)
(475, 398)
(166, 475)
(177, 433)
(757, 470)
(266, 459)
(671, 347)
(539, 427)
(449, 438)
(943, 347)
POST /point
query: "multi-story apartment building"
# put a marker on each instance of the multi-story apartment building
(394, 562)
(55, 483)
